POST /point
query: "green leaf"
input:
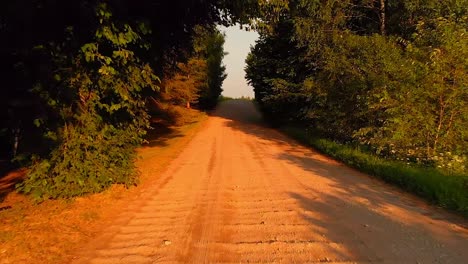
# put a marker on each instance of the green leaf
(38, 122)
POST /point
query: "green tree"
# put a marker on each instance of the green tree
(102, 115)
(81, 75)
(199, 80)
(276, 70)
(389, 74)
(429, 123)
(183, 88)
(39, 32)
(209, 47)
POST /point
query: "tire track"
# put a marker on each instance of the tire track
(243, 193)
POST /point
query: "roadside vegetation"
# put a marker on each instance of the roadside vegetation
(443, 188)
(97, 96)
(51, 231)
(84, 82)
(224, 98)
(387, 77)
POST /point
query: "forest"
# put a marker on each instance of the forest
(388, 76)
(83, 80)
(354, 150)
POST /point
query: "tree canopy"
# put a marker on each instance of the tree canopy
(388, 74)
(78, 76)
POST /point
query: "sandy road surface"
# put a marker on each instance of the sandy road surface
(243, 193)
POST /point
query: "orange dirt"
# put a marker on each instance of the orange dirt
(243, 193)
(8, 181)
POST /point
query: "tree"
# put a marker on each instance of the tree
(276, 71)
(199, 80)
(102, 115)
(77, 73)
(184, 87)
(429, 122)
(380, 73)
(210, 48)
(39, 32)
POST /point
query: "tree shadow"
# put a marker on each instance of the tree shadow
(242, 115)
(160, 134)
(166, 121)
(370, 219)
(365, 233)
(374, 192)
(9, 177)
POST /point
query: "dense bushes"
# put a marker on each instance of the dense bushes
(102, 115)
(79, 75)
(391, 75)
(383, 85)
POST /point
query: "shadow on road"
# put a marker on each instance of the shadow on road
(160, 134)
(9, 177)
(243, 115)
(359, 207)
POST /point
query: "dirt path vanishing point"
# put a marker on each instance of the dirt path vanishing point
(243, 193)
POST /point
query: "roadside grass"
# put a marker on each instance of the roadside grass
(449, 191)
(224, 98)
(227, 98)
(246, 98)
(49, 232)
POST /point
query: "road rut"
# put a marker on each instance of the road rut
(244, 193)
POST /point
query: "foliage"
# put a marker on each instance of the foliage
(77, 76)
(183, 88)
(277, 75)
(434, 113)
(224, 98)
(210, 47)
(102, 115)
(32, 27)
(199, 80)
(390, 75)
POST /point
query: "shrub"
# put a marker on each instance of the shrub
(102, 115)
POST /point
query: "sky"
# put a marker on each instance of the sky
(237, 44)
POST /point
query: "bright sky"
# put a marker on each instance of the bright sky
(237, 44)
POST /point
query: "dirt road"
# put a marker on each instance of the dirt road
(243, 193)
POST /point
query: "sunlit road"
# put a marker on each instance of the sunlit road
(243, 193)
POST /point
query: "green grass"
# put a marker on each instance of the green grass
(448, 191)
(224, 98)
(227, 98)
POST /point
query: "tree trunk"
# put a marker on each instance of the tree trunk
(439, 126)
(16, 133)
(383, 18)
